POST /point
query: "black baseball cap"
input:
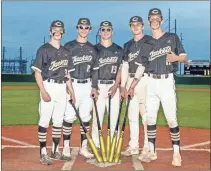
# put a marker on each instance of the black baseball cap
(106, 24)
(155, 11)
(57, 23)
(84, 21)
(136, 19)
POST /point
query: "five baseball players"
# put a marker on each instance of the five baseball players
(80, 71)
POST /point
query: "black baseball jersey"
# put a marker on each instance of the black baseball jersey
(158, 53)
(132, 50)
(53, 63)
(84, 57)
(110, 59)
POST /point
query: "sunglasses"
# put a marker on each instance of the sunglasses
(84, 27)
(108, 29)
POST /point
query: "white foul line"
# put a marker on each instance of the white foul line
(68, 165)
(15, 141)
(195, 145)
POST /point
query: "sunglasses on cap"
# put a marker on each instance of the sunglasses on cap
(106, 29)
(83, 27)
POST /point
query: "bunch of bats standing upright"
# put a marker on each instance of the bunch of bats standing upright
(113, 147)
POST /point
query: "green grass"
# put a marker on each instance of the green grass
(20, 107)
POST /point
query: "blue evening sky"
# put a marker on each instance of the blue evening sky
(26, 23)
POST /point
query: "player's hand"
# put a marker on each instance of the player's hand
(45, 96)
(130, 92)
(112, 91)
(123, 92)
(72, 97)
(94, 93)
(171, 57)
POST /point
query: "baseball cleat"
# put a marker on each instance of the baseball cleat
(84, 152)
(129, 151)
(150, 156)
(59, 156)
(45, 159)
(143, 153)
(177, 161)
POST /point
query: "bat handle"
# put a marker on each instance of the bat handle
(119, 147)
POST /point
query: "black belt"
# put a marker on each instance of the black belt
(106, 81)
(56, 81)
(159, 76)
(132, 75)
(79, 81)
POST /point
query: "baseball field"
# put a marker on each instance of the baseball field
(20, 144)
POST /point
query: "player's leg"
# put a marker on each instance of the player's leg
(168, 99)
(57, 119)
(45, 112)
(142, 108)
(152, 107)
(115, 102)
(101, 110)
(133, 117)
(69, 118)
(85, 108)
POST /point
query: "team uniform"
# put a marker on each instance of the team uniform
(54, 64)
(161, 88)
(110, 59)
(133, 50)
(84, 78)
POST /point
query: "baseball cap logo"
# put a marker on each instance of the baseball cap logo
(58, 23)
(135, 19)
(84, 21)
(105, 24)
(155, 11)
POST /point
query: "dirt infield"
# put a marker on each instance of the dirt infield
(20, 150)
(35, 87)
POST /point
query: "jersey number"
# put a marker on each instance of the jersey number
(113, 69)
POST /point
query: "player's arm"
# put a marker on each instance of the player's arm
(69, 82)
(124, 71)
(37, 68)
(94, 75)
(179, 55)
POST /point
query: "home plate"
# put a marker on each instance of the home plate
(106, 164)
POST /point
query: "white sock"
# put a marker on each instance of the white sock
(66, 143)
(176, 148)
(43, 150)
(151, 147)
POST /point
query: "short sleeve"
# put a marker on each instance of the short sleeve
(124, 53)
(38, 62)
(95, 65)
(120, 57)
(179, 50)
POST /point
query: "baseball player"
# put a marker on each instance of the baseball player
(51, 67)
(109, 58)
(164, 56)
(84, 80)
(132, 50)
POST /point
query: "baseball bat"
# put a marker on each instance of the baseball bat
(102, 146)
(108, 140)
(114, 139)
(120, 141)
(91, 142)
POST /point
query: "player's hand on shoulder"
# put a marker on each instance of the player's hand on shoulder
(112, 91)
(171, 57)
(94, 93)
(45, 96)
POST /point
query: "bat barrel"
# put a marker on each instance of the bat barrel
(119, 147)
(113, 146)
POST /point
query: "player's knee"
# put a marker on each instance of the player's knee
(86, 118)
(44, 124)
(172, 123)
(150, 120)
(144, 119)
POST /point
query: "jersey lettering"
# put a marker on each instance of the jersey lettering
(114, 69)
(108, 60)
(159, 53)
(132, 56)
(81, 59)
(56, 65)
